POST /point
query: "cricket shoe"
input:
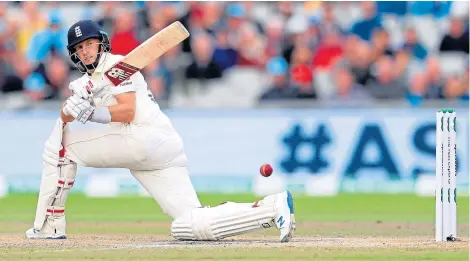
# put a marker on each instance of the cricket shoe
(53, 228)
(284, 218)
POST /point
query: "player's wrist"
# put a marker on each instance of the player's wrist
(101, 115)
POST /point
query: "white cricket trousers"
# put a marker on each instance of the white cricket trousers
(153, 154)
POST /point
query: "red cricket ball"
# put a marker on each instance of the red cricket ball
(266, 170)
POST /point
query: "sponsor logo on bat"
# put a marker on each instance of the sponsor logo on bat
(120, 72)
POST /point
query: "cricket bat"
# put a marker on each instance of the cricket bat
(146, 52)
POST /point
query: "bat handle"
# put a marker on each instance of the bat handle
(90, 99)
(88, 87)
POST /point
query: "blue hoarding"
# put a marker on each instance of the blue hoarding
(379, 150)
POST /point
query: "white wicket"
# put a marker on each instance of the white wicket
(446, 192)
(439, 172)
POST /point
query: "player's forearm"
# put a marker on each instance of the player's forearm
(66, 118)
(122, 112)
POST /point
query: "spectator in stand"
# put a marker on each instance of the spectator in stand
(371, 21)
(21, 67)
(412, 46)
(464, 83)
(156, 23)
(49, 83)
(225, 56)
(327, 22)
(212, 14)
(236, 18)
(358, 57)
(159, 80)
(457, 87)
(428, 84)
(57, 78)
(347, 14)
(435, 81)
(297, 32)
(6, 31)
(411, 56)
(418, 89)
(319, 60)
(35, 86)
(124, 39)
(301, 79)
(13, 70)
(302, 72)
(53, 39)
(280, 89)
(346, 88)
(142, 23)
(328, 52)
(251, 15)
(193, 21)
(251, 47)
(203, 66)
(301, 55)
(273, 28)
(50, 41)
(386, 85)
(457, 38)
(431, 85)
(170, 10)
(314, 33)
(31, 23)
(7, 44)
(380, 45)
(158, 74)
(285, 8)
(106, 21)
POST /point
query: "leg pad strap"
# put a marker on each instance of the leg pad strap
(55, 211)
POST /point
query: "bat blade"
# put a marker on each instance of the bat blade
(147, 52)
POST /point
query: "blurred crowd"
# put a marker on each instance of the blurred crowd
(328, 51)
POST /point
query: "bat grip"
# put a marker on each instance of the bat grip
(90, 99)
(90, 93)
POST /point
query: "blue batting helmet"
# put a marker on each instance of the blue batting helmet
(84, 30)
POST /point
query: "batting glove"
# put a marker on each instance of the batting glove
(79, 108)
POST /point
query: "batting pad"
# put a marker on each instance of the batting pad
(58, 177)
(227, 220)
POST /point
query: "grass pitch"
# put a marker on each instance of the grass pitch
(345, 227)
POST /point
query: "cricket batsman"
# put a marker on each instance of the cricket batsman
(138, 136)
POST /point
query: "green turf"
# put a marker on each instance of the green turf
(346, 215)
(345, 207)
(252, 254)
